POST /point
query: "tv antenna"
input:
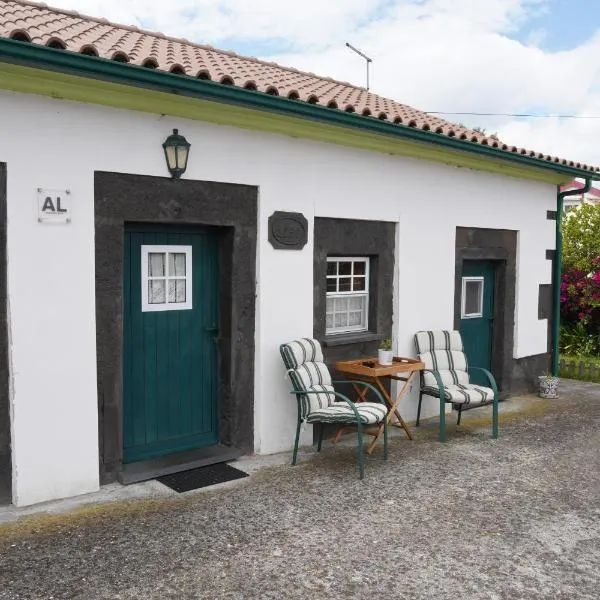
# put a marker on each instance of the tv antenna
(367, 59)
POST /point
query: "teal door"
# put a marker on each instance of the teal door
(477, 315)
(170, 362)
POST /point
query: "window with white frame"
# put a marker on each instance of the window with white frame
(472, 298)
(347, 295)
(166, 278)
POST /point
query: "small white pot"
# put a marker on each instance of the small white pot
(548, 386)
(385, 357)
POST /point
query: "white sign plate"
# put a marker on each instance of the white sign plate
(53, 206)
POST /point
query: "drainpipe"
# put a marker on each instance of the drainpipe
(558, 268)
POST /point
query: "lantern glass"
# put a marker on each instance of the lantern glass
(177, 150)
(182, 157)
(171, 158)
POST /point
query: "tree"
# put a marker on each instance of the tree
(581, 238)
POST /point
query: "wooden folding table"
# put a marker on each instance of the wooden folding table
(370, 371)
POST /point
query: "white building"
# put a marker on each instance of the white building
(592, 196)
(141, 315)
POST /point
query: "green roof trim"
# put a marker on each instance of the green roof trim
(32, 68)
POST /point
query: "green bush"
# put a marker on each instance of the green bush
(580, 282)
(581, 237)
(583, 368)
(577, 340)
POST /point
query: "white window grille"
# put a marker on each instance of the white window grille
(347, 295)
(166, 278)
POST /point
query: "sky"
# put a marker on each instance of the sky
(538, 57)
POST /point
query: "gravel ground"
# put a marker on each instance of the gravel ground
(516, 518)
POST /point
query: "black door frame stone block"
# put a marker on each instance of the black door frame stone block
(500, 246)
(123, 198)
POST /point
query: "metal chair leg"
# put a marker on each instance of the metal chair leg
(385, 439)
(321, 427)
(296, 442)
(442, 436)
(495, 417)
(459, 414)
(361, 452)
(419, 409)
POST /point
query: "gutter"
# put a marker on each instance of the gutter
(560, 197)
(80, 65)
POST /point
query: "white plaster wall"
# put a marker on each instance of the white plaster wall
(57, 144)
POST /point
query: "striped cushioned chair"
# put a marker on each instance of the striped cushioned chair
(446, 376)
(319, 403)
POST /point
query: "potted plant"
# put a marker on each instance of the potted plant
(548, 383)
(385, 354)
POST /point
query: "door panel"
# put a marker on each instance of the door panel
(170, 371)
(477, 315)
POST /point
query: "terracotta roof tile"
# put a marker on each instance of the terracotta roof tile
(21, 19)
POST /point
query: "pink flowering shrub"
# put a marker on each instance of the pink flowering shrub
(580, 297)
(580, 283)
(580, 311)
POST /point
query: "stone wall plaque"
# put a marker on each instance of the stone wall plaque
(288, 230)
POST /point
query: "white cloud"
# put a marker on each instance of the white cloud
(453, 55)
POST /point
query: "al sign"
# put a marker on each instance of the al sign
(53, 206)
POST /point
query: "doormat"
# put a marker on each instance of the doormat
(202, 477)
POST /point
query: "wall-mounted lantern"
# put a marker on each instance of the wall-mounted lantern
(177, 149)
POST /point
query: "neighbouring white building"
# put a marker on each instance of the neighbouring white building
(141, 314)
(578, 196)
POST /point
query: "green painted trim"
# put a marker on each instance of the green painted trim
(37, 69)
(557, 275)
(61, 86)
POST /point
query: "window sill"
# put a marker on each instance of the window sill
(343, 339)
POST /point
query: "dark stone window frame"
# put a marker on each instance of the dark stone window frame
(5, 447)
(355, 238)
(124, 198)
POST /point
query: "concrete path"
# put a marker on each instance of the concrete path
(516, 518)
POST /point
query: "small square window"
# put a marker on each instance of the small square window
(359, 284)
(345, 268)
(360, 268)
(472, 298)
(166, 278)
(156, 264)
(345, 284)
(156, 291)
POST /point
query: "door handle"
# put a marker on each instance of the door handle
(216, 338)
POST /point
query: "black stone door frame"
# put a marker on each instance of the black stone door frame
(5, 453)
(123, 198)
(500, 247)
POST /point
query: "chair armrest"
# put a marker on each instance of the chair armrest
(489, 376)
(438, 380)
(338, 395)
(365, 384)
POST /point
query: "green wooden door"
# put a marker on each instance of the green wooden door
(170, 362)
(477, 315)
